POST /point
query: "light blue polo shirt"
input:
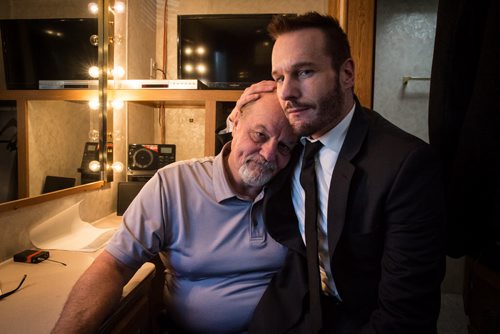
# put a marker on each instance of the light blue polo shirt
(220, 257)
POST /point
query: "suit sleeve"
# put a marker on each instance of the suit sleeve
(413, 261)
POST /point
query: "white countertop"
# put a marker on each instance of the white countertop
(36, 306)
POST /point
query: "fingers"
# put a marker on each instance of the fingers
(252, 93)
(260, 87)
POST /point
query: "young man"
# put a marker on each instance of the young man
(205, 217)
(380, 210)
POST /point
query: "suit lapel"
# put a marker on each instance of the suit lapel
(342, 176)
(279, 213)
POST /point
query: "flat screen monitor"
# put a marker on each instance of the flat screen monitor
(224, 51)
(47, 49)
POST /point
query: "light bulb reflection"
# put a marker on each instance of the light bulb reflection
(94, 166)
(119, 7)
(201, 68)
(117, 167)
(93, 8)
(94, 135)
(94, 71)
(117, 104)
(94, 104)
(118, 72)
(200, 50)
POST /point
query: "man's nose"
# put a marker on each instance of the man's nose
(288, 90)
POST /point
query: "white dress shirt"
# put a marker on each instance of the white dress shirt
(325, 161)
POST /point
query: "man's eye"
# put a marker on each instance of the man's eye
(258, 136)
(305, 73)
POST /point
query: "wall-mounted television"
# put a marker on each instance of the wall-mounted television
(229, 51)
(47, 49)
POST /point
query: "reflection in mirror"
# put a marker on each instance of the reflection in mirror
(60, 133)
(55, 132)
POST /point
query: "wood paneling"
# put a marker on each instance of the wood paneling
(357, 17)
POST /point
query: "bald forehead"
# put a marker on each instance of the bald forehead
(267, 102)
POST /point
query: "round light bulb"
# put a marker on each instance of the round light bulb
(119, 7)
(188, 51)
(94, 104)
(94, 71)
(94, 135)
(117, 104)
(93, 8)
(117, 167)
(201, 68)
(118, 72)
(188, 68)
(200, 50)
(94, 166)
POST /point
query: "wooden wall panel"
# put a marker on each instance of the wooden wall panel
(357, 17)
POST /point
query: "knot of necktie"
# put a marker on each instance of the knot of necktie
(308, 175)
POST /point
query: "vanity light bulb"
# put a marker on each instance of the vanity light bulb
(119, 7)
(201, 68)
(118, 72)
(94, 104)
(117, 104)
(94, 165)
(94, 135)
(93, 8)
(188, 68)
(188, 51)
(94, 71)
(200, 50)
(117, 167)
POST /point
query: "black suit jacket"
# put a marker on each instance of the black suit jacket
(385, 237)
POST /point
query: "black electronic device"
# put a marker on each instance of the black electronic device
(47, 49)
(224, 51)
(90, 153)
(31, 256)
(54, 183)
(145, 159)
(126, 194)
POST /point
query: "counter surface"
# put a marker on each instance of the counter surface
(36, 306)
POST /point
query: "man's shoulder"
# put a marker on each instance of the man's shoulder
(191, 166)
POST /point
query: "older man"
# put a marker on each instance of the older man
(205, 217)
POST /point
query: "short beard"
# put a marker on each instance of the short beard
(261, 172)
(329, 110)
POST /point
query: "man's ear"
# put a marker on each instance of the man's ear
(346, 74)
(236, 119)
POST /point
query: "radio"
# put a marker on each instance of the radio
(145, 159)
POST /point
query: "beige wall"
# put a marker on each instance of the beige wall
(58, 131)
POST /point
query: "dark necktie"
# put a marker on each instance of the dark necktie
(308, 182)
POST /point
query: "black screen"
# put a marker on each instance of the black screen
(47, 49)
(237, 49)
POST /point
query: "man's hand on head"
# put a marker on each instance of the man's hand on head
(250, 94)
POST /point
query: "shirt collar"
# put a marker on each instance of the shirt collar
(222, 188)
(334, 138)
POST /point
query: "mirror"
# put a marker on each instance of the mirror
(49, 130)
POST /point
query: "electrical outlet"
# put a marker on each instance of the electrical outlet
(152, 68)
